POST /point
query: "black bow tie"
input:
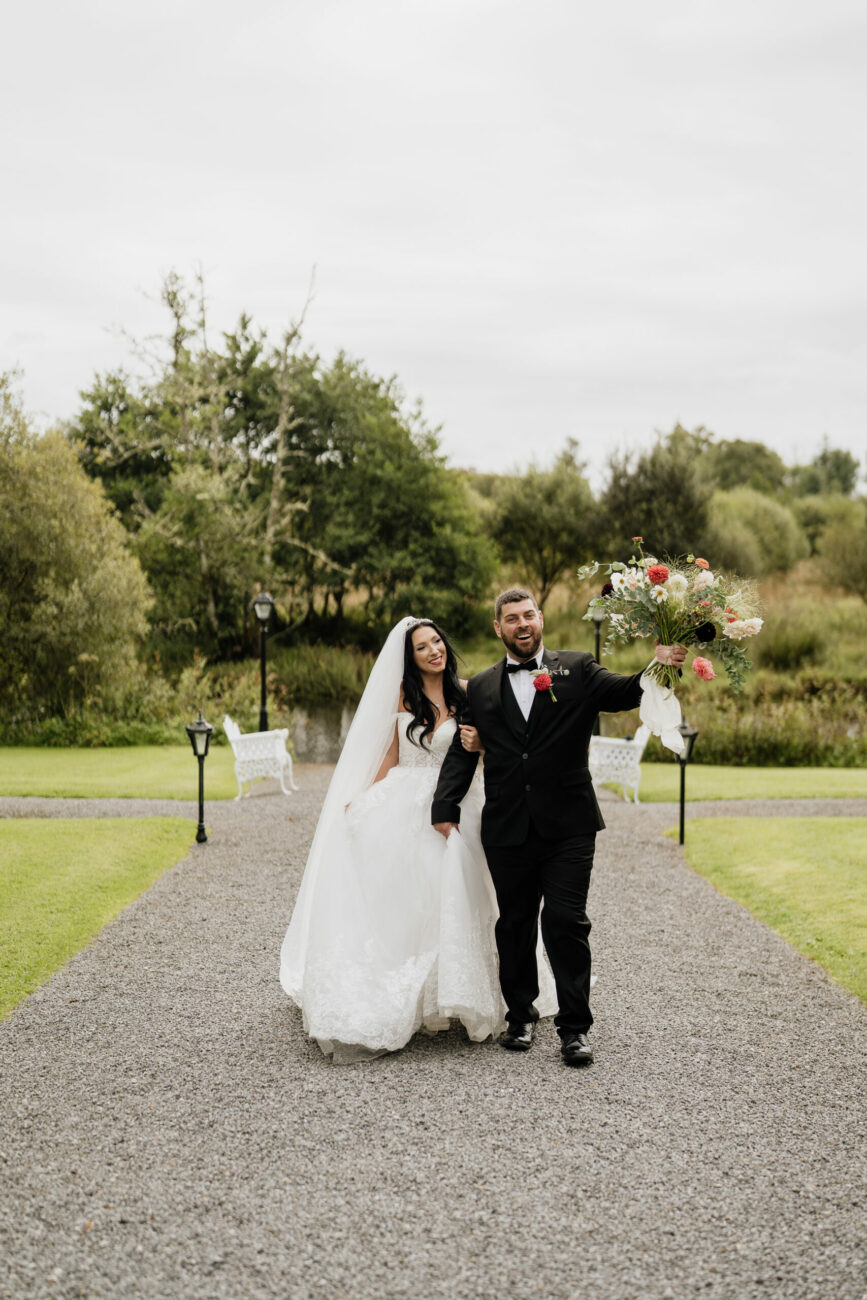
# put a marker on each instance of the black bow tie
(529, 667)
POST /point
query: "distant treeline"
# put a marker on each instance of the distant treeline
(138, 533)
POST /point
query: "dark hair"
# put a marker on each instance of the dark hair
(509, 597)
(425, 713)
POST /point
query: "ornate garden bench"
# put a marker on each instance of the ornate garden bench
(258, 754)
(618, 760)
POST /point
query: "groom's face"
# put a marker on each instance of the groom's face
(520, 628)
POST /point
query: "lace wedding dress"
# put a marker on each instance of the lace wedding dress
(393, 931)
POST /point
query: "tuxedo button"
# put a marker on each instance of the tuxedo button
(525, 756)
(526, 787)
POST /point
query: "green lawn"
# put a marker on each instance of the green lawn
(62, 880)
(170, 772)
(804, 876)
(660, 782)
(139, 771)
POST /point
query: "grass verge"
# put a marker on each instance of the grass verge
(803, 876)
(169, 772)
(62, 881)
(132, 772)
(660, 782)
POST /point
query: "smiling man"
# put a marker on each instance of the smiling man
(534, 713)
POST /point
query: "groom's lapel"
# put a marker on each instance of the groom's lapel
(550, 659)
(506, 699)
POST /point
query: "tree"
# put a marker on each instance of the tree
(816, 514)
(73, 600)
(737, 463)
(247, 463)
(832, 470)
(660, 496)
(545, 521)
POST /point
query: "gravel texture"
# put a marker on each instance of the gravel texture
(166, 1130)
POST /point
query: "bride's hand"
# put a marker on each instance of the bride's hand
(470, 740)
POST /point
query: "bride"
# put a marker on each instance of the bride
(393, 929)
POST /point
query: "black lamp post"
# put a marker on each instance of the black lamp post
(263, 605)
(200, 733)
(690, 735)
(599, 615)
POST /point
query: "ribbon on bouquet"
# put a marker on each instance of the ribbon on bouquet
(660, 711)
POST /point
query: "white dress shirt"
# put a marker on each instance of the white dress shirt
(522, 683)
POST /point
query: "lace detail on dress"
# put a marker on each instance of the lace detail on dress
(429, 752)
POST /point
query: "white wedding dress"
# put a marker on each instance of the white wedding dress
(393, 931)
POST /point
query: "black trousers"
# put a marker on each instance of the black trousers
(555, 873)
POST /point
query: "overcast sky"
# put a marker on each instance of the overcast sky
(548, 220)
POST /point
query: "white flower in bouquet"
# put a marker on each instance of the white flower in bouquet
(738, 628)
(659, 594)
(677, 586)
(702, 580)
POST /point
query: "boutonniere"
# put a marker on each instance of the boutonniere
(542, 682)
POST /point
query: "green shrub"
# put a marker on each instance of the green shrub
(322, 674)
(791, 640)
(752, 534)
(779, 721)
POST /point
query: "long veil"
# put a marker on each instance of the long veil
(366, 744)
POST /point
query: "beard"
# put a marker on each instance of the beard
(526, 650)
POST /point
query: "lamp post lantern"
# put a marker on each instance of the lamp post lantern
(599, 615)
(200, 733)
(263, 605)
(690, 735)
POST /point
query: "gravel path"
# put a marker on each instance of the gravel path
(166, 1130)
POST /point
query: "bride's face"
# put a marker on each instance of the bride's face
(428, 650)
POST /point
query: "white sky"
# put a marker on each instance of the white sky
(546, 219)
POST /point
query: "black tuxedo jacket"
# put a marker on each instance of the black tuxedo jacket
(535, 770)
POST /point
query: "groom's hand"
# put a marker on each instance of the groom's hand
(671, 654)
(446, 828)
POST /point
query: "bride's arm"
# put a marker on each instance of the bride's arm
(387, 764)
(390, 759)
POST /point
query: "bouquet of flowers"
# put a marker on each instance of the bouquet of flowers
(679, 603)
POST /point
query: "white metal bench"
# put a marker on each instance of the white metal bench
(258, 754)
(618, 761)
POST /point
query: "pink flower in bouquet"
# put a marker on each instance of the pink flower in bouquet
(703, 668)
(657, 573)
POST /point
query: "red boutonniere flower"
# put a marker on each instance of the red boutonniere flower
(542, 682)
(657, 574)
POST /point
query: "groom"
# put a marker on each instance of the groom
(534, 712)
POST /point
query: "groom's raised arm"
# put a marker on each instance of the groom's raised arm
(613, 693)
(456, 774)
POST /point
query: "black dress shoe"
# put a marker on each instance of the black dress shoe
(518, 1038)
(576, 1050)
